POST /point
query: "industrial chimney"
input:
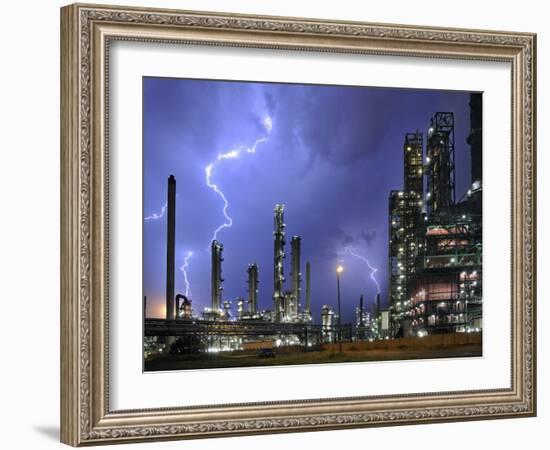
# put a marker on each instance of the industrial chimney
(170, 247)
(252, 288)
(296, 275)
(308, 289)
(361, 312)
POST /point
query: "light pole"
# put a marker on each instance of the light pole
(339, 270)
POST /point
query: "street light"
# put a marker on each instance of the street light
(339, 270)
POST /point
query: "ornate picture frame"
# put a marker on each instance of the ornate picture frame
(86, 34)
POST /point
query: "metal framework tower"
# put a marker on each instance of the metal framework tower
(413, 170)
(296, 274)
(405, 220)
(217, 280)
(252, 288)
(289, 304)
(279, 255)
(440, 149)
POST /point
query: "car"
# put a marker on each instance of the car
(266, 353)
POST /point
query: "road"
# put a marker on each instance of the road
(224, 360)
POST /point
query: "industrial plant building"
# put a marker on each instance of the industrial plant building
(435, 241)
(216, 328)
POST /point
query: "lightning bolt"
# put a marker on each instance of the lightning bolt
(214, 187)
(184, 268)
(156, 216)
(231, 154)
(372, 269)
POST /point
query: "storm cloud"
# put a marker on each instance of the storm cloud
(332, 156)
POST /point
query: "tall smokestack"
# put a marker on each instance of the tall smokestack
(170, 247)
(308, 288)
(475, 138)
(377, 304)
(252, 288)
(361, 313)
(296, 275)
(217, 280)
(279, 255)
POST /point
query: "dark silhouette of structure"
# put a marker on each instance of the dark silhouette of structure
(170, 247)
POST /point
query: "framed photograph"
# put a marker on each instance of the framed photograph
(275, 225)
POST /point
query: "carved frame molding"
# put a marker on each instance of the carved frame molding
(86, 32)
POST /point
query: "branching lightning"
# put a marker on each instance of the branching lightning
(235, 153)
(231, 154)
(372, 269)
(156, 216)
(184, 268)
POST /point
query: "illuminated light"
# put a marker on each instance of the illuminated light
(428, 159)
(339, 269)
(400, 194)
(420, 171)
(463, 216)
(453, 260)
(408, 149)
(425, 218)
(430, 130)
(428, 195)
(469, 192)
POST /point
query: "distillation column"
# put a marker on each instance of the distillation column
(279, 255)
(296, 275)
(308, 290)
(217, 280)
(252, 288)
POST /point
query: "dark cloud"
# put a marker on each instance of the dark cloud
(368, 236)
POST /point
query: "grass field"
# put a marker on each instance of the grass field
(240, 359)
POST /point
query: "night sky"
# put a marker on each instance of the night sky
(330, 154)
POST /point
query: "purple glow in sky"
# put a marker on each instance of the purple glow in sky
(331, 154)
